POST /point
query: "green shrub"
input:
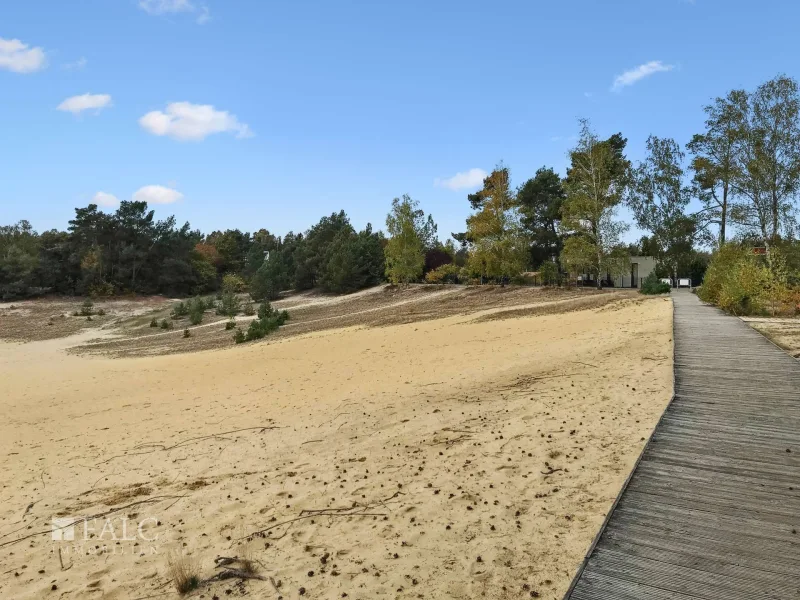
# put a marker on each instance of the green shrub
(742, 283)
(269, 320)
(653, 285)
(165, 324)
(723, 263)
(248, 310)
(180, 310)
(743, 287)
(239, 337)
(154, 323)
(86, 308)
(187, 333)
(271, 278)
(229, 304)
(233, 284)
(101, 289)
(255, 331)
(230, 325)
(265, 310)
(196, 308)
(549, 273)
(443, 274)
(101, 312)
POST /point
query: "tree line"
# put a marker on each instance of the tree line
(744, 170)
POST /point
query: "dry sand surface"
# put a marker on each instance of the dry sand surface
(785, 332)
(471, 455)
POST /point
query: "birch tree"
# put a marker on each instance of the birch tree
(658, 198)
(714, 164)
(767, 160)
(405, 251)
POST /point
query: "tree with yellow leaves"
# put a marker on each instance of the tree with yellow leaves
(498, 248)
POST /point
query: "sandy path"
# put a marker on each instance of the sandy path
(443, 430)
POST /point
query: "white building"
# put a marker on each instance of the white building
(641, 267)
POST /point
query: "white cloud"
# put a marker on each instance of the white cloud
(204, 16)
(78, 65)
(105, 199)
(461, 181)
(156, 194)
(186, 121)
(20, 58)
(171, 7)
(162, 7)
(633, 75)
(77, 104)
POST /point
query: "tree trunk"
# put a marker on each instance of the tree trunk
(769, 252)
(724, 215)
(775, 216)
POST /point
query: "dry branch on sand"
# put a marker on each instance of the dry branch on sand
(165, 448)
(356, 510)
(185, 572)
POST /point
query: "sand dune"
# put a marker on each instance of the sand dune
(449, 458)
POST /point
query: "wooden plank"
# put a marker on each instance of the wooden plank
(684, 580)
(595, 586)
(712, 509)
(724, 549)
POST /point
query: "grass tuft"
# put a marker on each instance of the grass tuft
(184, 572)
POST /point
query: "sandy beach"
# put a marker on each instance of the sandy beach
(456, 457)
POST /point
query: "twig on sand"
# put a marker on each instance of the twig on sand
(227, 573)
(512, 438)
(350, 509)
(215, 435)
(327, 514)
(357, 510)
(61, 562)
(527, 380)
(333, 419)
(550, 471)
(28, 509)
(165, 448)
(585, 364)
(453, 441)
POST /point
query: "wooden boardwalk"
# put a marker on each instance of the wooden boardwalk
(712, 509)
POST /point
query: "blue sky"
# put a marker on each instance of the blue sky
(324, 105)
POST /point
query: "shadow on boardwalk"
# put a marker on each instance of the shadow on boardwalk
(713, 508)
